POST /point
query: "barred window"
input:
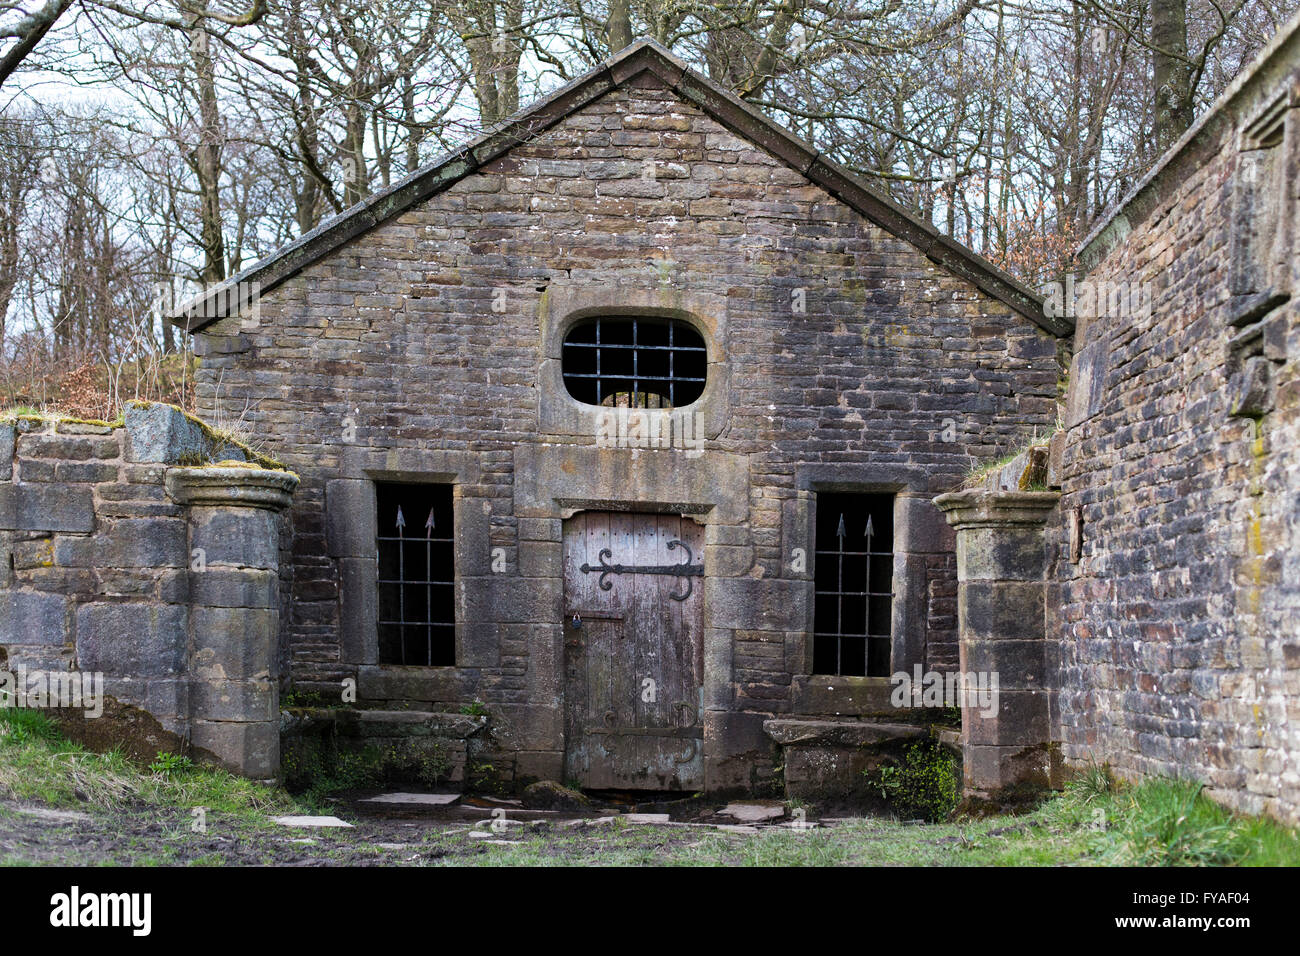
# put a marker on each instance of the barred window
(638, 362)
(852, 584)
(417, 612)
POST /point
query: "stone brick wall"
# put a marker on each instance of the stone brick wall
(1179, 626)
(388, 356)
(114, 561)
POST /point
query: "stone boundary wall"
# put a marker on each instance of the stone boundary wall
(117, 559)
(1176, 570)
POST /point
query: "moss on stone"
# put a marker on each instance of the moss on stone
(25, 413)
(218, 438)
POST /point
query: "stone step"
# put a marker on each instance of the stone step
(354, 722)
(409, 723)
(839, 733)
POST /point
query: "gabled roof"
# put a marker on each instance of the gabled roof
(724, 107)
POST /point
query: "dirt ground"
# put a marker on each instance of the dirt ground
(462, 835)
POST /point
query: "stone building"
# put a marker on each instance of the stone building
(628, 446)
(624, 420)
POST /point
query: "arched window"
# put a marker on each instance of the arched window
(635, 362)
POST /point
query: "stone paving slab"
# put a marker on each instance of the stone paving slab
(754, 812)
(417, 799)
(295, 821)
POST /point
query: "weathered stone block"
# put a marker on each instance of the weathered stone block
(842, 695)
(756, 604)
(220, 587)
(244, 537)
(127, 543)
(921, 527)
(838, 733)
(350, 518)
(251, 749)
(1001, 610)
(358, 612)
(540, 529)
(68, 448)
(408, 723)
(1019, 718)
(1002, 772)
(1018, 664)
(234, 700)
(161, 433)
(7, 440)
(54, 507)
(434, 684)
(33, 619)
(532, 766)
(168, 698)
(526, 726)
(1087, 383)
(993, 554)
(506, 599)
(135, 639)
(541, 559)
(233, 643)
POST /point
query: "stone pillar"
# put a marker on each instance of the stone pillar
(234, 540)
(1001, 561)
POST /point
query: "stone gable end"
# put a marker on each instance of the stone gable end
(427, 349)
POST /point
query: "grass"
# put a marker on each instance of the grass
(980, 473)
(29, 413)
(1097, 821)
(37, 763)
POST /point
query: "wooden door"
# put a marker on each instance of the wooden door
(634, 665)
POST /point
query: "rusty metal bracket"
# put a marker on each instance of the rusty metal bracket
(692, 749)
(692, 715)
(684, 570)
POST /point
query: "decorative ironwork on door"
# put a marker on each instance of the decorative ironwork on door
(684, 570)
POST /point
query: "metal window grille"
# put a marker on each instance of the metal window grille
(417, 615)
(852, 584)
(635, 362)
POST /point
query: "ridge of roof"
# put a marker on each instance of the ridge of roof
(722, 105)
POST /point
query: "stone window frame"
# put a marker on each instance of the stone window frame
(563, 306)
(351, 523)
(918, 525)
(1259, 266)
(1265, 147)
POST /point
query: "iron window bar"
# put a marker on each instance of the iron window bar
(408, 587)
(602, 349)
(860, 600)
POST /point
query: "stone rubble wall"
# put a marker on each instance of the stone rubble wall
(103, 569)
(1179, 617)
